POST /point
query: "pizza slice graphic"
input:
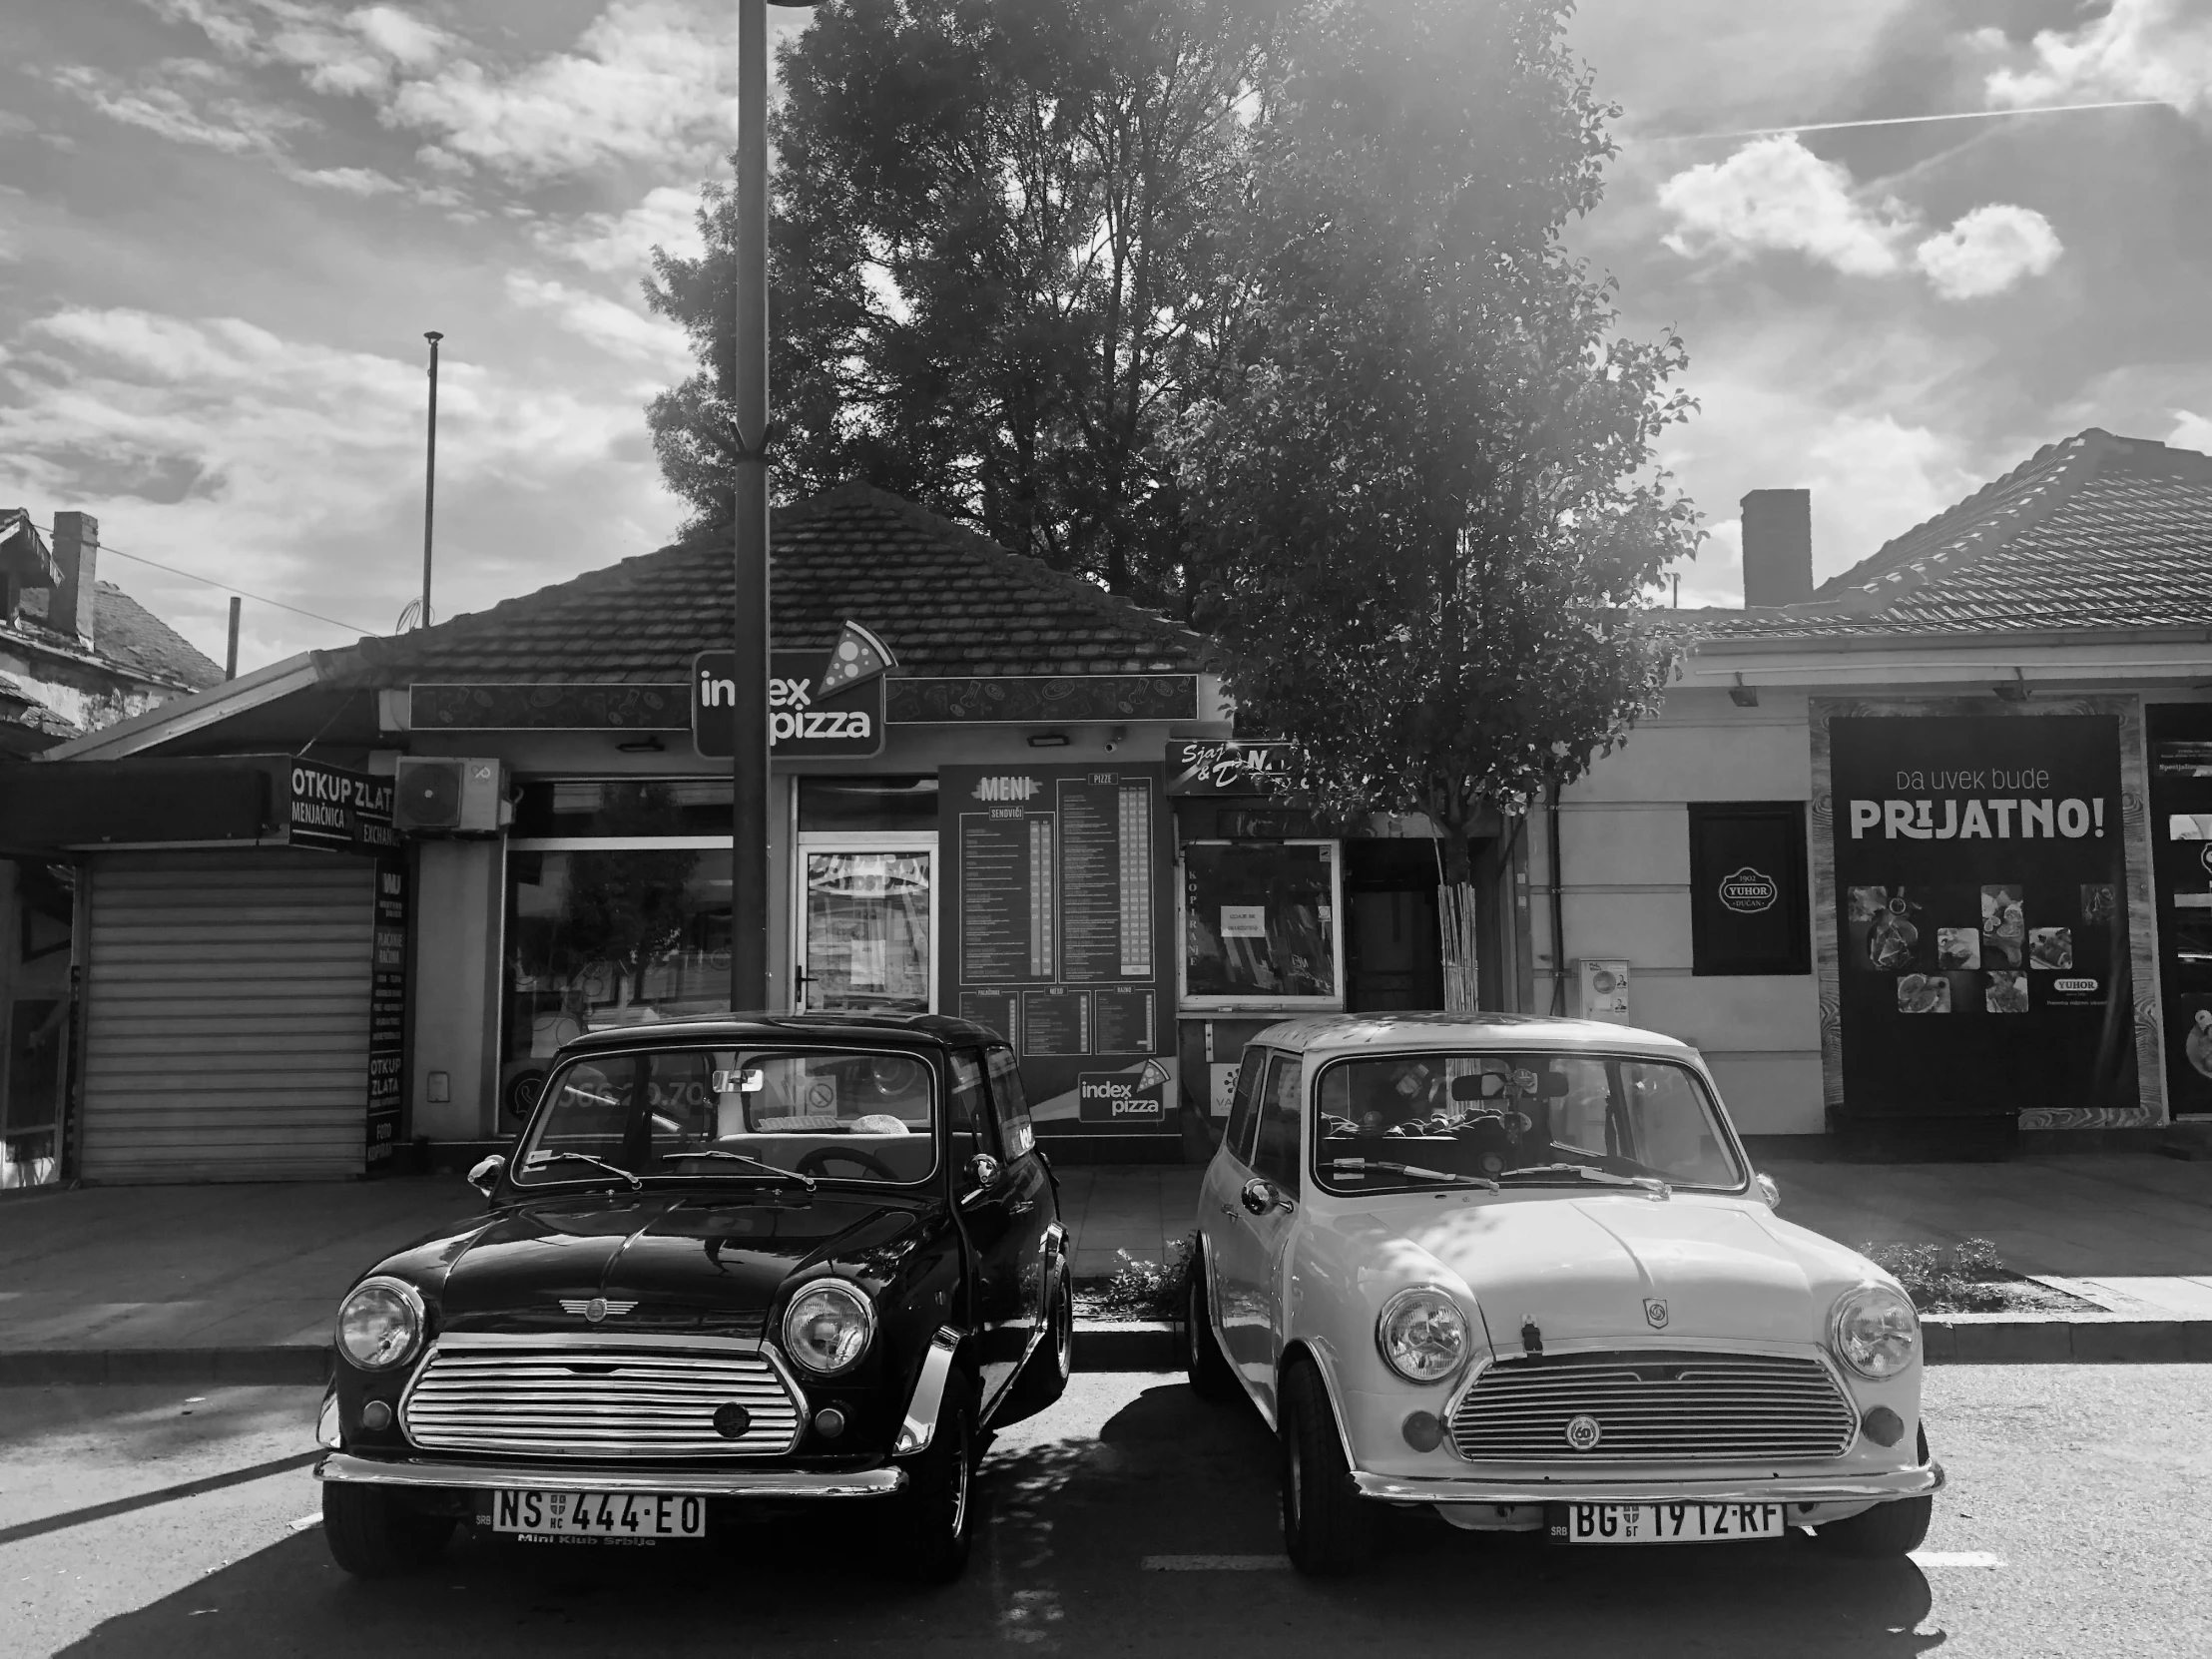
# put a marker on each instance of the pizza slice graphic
(858, 655)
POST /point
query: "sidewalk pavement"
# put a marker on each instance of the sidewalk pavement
(240, 1281)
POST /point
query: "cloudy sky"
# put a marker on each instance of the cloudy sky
(226, 223)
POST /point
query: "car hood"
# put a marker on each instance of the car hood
(689, 1262)
(1591, 1267)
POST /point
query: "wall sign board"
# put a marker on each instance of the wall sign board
(1749, 908)
(1056, 904)
(816, 706)
(339, 811)
(1979, 876)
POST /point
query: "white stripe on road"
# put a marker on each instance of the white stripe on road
(1217, 1563)
(1955, 1558)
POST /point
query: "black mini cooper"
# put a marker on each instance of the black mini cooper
(734, 1263)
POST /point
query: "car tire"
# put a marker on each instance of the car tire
(1882, 1533)
(1045, 1377)
(935, 1515)
(1327, 1528)
(372, 1534)
(1204, 1362)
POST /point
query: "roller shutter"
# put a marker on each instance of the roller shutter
(226, 1001)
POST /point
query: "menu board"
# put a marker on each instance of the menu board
(1057, 887)
(387, 1011)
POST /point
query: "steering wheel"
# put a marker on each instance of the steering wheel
(811, 1163)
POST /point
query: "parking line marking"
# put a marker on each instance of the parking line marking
(1217, 1563)
(1955, 1558)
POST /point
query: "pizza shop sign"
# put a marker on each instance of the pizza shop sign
(819, 702)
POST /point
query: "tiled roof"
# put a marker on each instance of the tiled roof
(2095, 532)
(127, 634)
(948, 603)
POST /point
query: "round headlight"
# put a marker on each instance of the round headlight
(827, 1326)
(381, 1322)
(1422, 1334)
(1875, 1330)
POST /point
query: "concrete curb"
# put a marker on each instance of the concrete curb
(1154, 1346)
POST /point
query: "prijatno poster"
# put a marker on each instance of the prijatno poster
(1981, 873)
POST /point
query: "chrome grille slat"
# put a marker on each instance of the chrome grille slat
(1675, 1406)
(599, 1400)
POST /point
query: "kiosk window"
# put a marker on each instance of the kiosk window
(1260, 923)
(1276, 1155)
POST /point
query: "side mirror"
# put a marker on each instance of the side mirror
(1768, 1191)
(982, 1172)
(485, 1175)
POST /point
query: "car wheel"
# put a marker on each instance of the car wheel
(1884, 1532)
(372, 1534)
(1207, 1367)
(937, 1510)
(1327, 1528)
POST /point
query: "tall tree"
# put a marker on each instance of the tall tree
(996, 267)
(1427, 503)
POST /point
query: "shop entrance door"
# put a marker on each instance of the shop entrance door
(866, 922)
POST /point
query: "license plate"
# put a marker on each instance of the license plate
(1664, 1523)
(554, 1513)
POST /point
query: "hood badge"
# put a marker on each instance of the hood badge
(1655, 1312)
(1584, 1433)
(1531, 1339)
(596, 1307)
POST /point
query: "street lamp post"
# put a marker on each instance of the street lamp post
(745, 394)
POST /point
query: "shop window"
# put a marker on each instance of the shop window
(1749, 909)
(616, 806)
(1260, 924)
(629, 925)
(848, 804)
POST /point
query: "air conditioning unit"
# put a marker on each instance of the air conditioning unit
(450, 797)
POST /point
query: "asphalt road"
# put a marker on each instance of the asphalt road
(1130, 1519)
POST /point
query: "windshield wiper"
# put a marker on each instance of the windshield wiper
(1361, 1165)
(601, 1163)
(1590, 1172)
(805, 1181)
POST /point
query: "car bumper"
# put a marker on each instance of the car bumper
(761, 1483)
(1843, 1488)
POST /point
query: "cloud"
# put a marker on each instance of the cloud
(607, 324)
(644, 83)
(618, 243)
(2192, 431)
(2138, 49)
(1774, 195)
(303, 465)
(1987, 251)
(168, 105)
(338, 52)
(352, 181)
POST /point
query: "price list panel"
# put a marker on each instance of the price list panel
(1058, 937)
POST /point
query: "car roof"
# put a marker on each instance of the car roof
(1397, 1032)
(903, 1031)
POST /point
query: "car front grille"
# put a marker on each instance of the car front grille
(597, 1402)
(1655, 1406)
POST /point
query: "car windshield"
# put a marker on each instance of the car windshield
(714, 1114)
(1407, 1121)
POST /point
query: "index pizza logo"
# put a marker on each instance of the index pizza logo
(1121, 1096)
(1007, 788)
(1746, 892)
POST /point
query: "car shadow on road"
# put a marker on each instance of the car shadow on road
(1068, 1526)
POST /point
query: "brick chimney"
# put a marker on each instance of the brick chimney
(1778, 547)
(76, 597)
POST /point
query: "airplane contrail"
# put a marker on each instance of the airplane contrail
(1903, 121)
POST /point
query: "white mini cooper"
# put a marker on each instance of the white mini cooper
(1521, 1270)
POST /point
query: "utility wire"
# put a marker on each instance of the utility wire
(258, 599)
(1902, 121)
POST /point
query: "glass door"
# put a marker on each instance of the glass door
(866, 909)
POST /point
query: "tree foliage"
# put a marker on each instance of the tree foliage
(1425, 504)
(997, 272)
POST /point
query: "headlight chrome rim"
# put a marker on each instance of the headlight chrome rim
(1864, 1354)
(1391, 1341)
(840, 1291)
(411, 1302)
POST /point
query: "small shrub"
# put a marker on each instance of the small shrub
(1145, 1290)
(1967, 1278)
